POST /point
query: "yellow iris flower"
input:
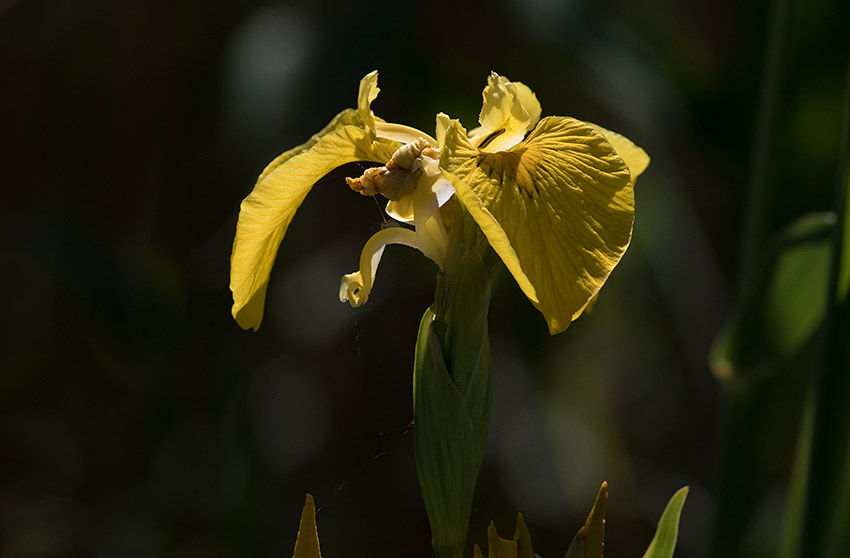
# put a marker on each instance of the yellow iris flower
(554, 197)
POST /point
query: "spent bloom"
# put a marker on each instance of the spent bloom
(553, 196)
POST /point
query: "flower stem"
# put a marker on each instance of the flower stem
(452, 385)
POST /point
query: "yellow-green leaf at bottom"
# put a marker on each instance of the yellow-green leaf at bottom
(558, 209)
(267, 211)
(307, 543)
(497, 547)
(589, 542)
(664, 542)
(593, 532)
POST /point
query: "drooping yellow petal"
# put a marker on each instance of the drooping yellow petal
(266, 213)
(557, 208)
(348, 117)
(636, 158)
(361, 117)
(307, 542)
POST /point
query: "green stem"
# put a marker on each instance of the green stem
(736, 475)
(827, 468)
(452, 385)
(792, 526)
(755, 230)
(735, 493)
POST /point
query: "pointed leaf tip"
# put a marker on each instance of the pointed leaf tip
(593, 532)
(664, 542)
(307, 542)
(589, 542)
(518, 547)
(523, 539)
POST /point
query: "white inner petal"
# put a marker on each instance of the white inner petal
(355, 287)
(401, 133)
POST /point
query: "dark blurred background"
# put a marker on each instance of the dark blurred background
(138, 420)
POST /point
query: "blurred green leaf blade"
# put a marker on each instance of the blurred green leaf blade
(776, 319)
(664, 542)
(576, 549)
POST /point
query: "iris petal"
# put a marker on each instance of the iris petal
(355, 287)
(401, 133)
(558, 209)
(266, 213)
(510, 109)
(636, 158)
(367, 93)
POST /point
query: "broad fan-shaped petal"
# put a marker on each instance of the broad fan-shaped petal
(636, 158)
(266, 213)
(557, 208)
